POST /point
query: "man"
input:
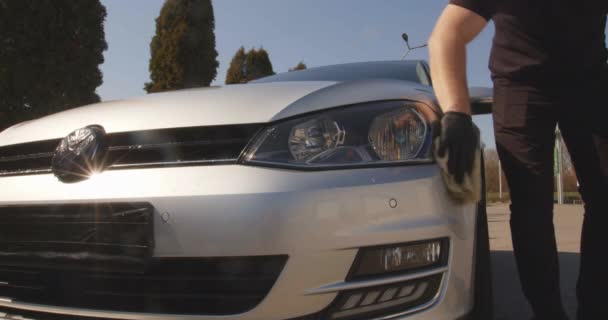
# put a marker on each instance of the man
(548, 65)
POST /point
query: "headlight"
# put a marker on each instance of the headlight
(383, 133)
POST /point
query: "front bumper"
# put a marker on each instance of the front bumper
(318, 219)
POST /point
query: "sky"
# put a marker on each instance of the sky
(318, 32)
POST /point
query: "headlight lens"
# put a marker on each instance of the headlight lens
(314, 137)
(370, 134)
(398, 135)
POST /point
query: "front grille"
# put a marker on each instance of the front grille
(149, 148)
(181, 286)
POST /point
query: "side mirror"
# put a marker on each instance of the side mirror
(482, 100)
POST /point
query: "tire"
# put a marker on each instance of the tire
(483, 308)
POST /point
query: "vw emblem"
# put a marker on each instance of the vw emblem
(80, 154)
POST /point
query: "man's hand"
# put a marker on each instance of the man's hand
(459, 139)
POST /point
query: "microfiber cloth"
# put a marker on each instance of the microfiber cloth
(469, 191)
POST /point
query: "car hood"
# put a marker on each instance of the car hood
(234, 104)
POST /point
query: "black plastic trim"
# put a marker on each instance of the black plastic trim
(339, 167)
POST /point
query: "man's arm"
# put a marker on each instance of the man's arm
(456, 27)
(458, 140)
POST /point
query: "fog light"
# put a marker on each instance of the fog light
(399, 258)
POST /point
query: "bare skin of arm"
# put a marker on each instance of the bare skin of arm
(456, 27)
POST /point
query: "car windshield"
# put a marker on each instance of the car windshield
(399, 70)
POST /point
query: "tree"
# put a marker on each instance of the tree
(249, 66)
(236, 71)
(258, 64)
(50, 56)
(300, 66)
(183, 53)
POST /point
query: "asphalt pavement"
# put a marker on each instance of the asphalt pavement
(510, 303)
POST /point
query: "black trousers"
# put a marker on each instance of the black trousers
(525, 119)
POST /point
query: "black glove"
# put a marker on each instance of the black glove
(460, 139)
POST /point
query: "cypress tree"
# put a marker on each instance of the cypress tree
(300, 66)
(262, 67)
(50, 57)
(249, 66)
(183, 53)
(236, 72)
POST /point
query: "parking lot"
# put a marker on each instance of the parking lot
(509, 301)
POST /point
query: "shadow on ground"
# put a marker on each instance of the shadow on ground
(509, 301)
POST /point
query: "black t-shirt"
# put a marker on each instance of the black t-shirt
(545, 41)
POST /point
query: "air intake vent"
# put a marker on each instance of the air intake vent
(182, 286)
(102, 235)
(140, 149)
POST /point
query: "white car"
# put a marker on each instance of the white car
(308, 195)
